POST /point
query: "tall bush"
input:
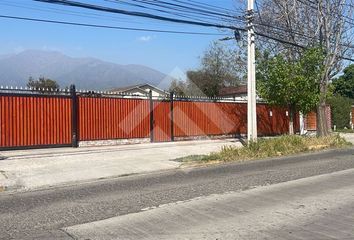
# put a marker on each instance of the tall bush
(340, 108)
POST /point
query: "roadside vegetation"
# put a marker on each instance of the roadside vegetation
(270, 147)
(341, 108)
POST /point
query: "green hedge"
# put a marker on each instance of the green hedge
(340, 108)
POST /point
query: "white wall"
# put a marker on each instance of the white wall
(143, 92)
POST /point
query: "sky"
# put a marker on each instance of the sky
(161, 51)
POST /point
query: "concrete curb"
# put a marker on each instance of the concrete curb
(33, 169)
(8, 185)
(16, 188)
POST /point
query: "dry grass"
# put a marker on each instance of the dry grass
(271, 147)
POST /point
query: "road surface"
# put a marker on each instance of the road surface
(320, 207)
(197, 203)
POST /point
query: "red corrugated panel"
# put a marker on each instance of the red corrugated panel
(9, 123)
(207, 118)
(311, 123)
(113, 118)
(272, 120)
(29, 121)
(265, 121)
(162, 121)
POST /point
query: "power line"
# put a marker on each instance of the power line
(349, 20)
(294, 44)
(138, 14)
(205, 5)
(64, 12)
(297, 33)
(108, 27)
(188, 16)
(284, 30)
(189, 8)
(186, 11)
(152, 16)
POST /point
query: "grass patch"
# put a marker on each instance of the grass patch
(270, 147)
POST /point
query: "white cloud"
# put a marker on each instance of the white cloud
(145, 38)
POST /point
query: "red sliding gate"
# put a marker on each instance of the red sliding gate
(34, 121)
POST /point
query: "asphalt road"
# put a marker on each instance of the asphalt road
(42, 214)
(319, 207)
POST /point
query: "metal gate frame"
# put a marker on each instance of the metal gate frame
(155, 121)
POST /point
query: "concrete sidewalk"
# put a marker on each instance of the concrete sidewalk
(348, 136)
(32, 169)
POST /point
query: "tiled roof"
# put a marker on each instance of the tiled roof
(138, 86)
(231, 91)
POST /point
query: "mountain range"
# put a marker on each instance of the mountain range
(85, 73)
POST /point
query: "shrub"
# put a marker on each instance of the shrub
(340, 108)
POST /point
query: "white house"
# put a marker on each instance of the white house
(142, 90)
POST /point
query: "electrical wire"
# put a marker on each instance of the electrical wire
(108, 27)
(185, 7)
(65, 12)
(294, 44)
(138, 14)
(162, 6)
(188, 16)
(205, 5)
(157, 17)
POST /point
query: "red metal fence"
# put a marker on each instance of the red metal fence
(311, 119)
(223, 118)
(161, 121)
(102, 118)
(209, 118)
(34, 121)
(37, 119)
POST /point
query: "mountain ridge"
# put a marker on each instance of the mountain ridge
(85, 73)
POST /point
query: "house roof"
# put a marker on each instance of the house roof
(231, 91)
(138, 87)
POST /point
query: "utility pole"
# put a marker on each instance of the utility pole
(251, 76)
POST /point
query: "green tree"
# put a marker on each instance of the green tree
(309, 23)
(219, 66)
(340, 110)
(224, 64)
(202, 83)
(290, 83)
(42, 83)
(178, 87)
(344, 85)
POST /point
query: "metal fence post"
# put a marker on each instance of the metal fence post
(171, 116)
(151, 117)
(74, 126)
